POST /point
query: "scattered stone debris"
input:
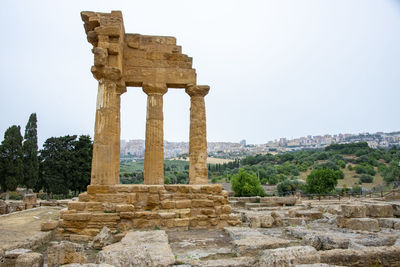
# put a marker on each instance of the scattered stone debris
(65, 252)
(104, 238)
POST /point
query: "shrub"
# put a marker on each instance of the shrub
(288, 187)
(246, 184)
(321, 181)
(350, 167)
(365, 168)
(366, 178)
(356, 190)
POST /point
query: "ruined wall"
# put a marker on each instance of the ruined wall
(125, 207)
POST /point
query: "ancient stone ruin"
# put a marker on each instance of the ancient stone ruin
(154, 63)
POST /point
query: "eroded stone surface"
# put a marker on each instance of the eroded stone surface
(138, 248)
(65, 252)
(291, 256)
(104, 238)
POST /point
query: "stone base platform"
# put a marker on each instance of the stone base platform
(125, 207)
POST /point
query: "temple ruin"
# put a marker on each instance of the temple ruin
(154, 63)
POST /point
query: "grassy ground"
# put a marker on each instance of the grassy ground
(351, 178)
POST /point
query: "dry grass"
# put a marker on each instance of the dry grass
(351, 178)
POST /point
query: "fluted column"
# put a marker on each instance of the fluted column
(106, 144)
(198, 173)
(154, 150)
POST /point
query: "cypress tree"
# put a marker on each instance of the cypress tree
(11, 160)
(30, 148)
(81, 163)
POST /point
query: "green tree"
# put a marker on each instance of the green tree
(55, 164)
(81, 163)
(321, 181)
(392, 173)
(246, 184)
(288, 187)
(30, 149)
(11, 160)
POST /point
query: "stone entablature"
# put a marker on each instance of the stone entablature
(126, 207)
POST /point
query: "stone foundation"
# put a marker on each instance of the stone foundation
(125, 207)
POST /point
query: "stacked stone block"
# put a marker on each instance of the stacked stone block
(125, 207)
(368, 217)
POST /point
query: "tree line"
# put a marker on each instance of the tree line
(62, 166)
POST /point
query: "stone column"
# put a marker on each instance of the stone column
(154, 150)
(198, 173)
(106, 145)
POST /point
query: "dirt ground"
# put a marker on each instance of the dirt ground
(23, 228)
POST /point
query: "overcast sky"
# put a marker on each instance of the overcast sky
(276, 68)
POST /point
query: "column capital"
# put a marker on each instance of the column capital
(154, 88)
(197, 90)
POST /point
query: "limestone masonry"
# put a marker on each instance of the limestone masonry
(154, 63)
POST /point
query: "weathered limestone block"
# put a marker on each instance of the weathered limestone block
(369, 256)
(290, 256)
(278, 201)
(168, 204)
(202, 203)
(393, 223)
(277, 218)
(31, 259)
(104, 238)
(30, 201)
(364, 224)
(84, 197)
(183, 204)
(379, 210)
(65, 252)
(111, 198)
(49, 225)
(211, 189)
(396, 209)
(77, 205)
(309, 214)
(124, 208)
(139, 248)
(101, 189)
(83, 216)
(9, 257)
(354, 211)
(251, 246)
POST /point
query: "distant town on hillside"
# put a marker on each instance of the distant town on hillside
(134, 149)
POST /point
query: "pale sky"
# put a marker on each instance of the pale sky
(276, 68)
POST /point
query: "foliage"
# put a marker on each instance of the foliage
(65, 164)
(366, 178)
(347, 148)
(30, 148)
(288, 187)
(321, 181)
(288, 168)
(365, 168)
(246, 184)
(392, 173)
(356, 190)
(11, 159)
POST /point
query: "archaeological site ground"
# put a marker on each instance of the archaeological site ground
(195, 224)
